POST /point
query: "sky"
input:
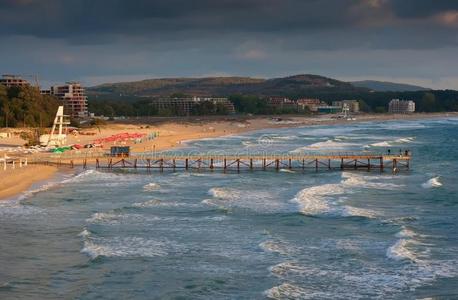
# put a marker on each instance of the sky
(98, 41)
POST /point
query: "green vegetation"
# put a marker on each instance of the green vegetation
(25, 106)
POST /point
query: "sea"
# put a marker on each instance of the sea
(250, 235)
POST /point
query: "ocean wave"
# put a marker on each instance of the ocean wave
(287, 171)
(256, 200)
(395, 142)
(125, 247)
(291, 291)
(327, 145)
(432, 183)
(400, 251)
(321, 199)
(14, 208)
(80, 176)
(85, 233)
(151, 187)
(359, 180)
(278, 246)
(381, 144)
(314, 200)
(292, 268)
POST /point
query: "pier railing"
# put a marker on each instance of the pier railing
(212, 160)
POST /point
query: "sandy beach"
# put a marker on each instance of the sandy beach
(171, 134)
(15, 181)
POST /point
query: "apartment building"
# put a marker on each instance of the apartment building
(73, 97)
(352, 105)
(13, 80)
(401, 106)
(185, 105)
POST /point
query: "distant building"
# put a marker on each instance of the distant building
(73, 97)
(282, 103)
(184, 105)
(310, 104)
(328, 109)
(13, 80)
(401, 106)
(353, 105)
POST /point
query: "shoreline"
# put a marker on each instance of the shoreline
(175, 134)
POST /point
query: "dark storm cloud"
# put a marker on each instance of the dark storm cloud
(100, 38)
(422, 8)
(53, 18)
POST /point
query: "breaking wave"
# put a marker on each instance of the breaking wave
(125, 247)
(151, 187)
(432, 183)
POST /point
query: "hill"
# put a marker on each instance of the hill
(225, 86)
(385, 86)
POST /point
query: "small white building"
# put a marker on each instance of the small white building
(397, 106)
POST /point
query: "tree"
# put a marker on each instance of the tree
(428, 103)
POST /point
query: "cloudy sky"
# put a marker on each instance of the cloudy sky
(96, 41)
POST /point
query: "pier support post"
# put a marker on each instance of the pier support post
(161, 164)
(251, 164)
(381, 164)
(238, 164)
(329, 164)
(368, 164)
(341, 164)
(211, 163)
(97, 164)
(186, 164)
(264, 164)
(289, 164)
(71, 164)
(277, 164)
(225, 164)
(316, 165)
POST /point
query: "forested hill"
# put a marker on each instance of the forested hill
(225, 86)
(385, 86)
(26, 106)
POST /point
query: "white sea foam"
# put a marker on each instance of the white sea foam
(125, 247)
(289, 268)
(432, 183)
(291, 291)
(352, 179)
(395, 142)
(149, 203)
(287, 171)
(381, 144)
(85, 233)
(223, 193)
(278, 246)
(151, 187)
(314, 200)
(400, 251)
(327, 145)
(351, 211)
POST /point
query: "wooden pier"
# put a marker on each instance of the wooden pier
(239, 162)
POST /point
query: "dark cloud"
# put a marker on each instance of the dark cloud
(90, 38)
(421, 8)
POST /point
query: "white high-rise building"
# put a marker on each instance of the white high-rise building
(401, 106)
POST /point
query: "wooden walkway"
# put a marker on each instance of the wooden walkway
(238, 162)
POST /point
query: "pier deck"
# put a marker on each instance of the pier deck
(237, 162)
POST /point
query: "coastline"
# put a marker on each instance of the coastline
(174, 134)
(19, 180)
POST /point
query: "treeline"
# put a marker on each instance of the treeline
(25, 106)
(376, 102)
(144, 107)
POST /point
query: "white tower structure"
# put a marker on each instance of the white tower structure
(60, 138)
